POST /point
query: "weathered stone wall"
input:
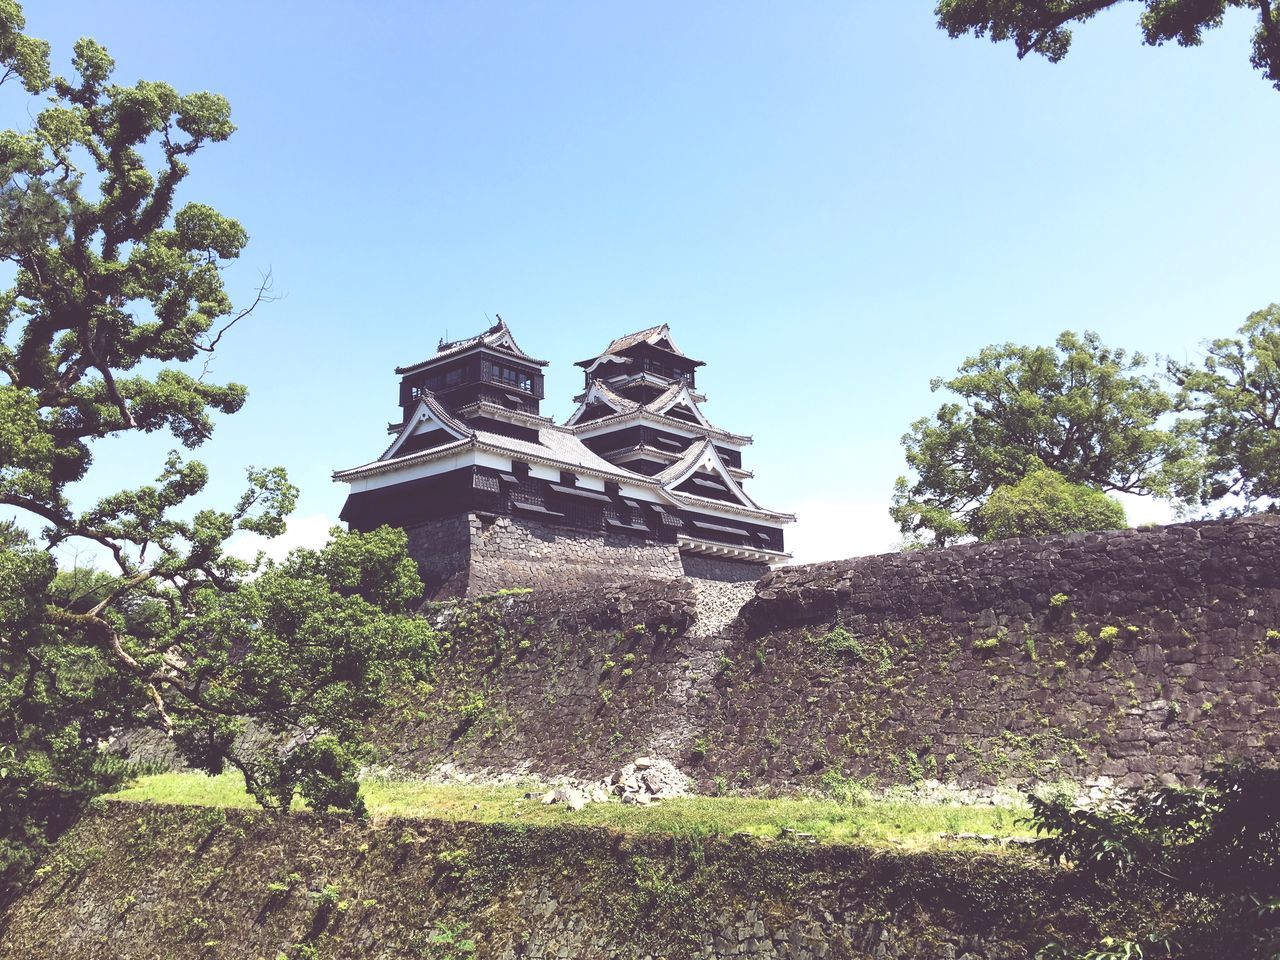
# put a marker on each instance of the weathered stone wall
(133, 882)
(568, 682)
(512, 552)
(716, 568)
(474, 554)
(442, 548)
(1137, 656)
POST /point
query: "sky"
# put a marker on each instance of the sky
(830, 204)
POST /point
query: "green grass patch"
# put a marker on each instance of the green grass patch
(880, 823)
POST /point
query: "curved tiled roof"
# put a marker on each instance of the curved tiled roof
(600, 391)
(688, 464)
(555, 444)
(497, 337)
(651, 335)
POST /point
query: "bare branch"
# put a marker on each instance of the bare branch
(261, 296)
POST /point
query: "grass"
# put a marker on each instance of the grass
(880, 823)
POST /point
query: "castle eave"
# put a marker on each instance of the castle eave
(729, 551)
(606, 424)
(710, 505)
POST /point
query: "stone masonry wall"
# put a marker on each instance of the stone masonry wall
(510, 552)
(716, 568)
(140, 882)
(474, 554)
(1138, 656)
(442, 549)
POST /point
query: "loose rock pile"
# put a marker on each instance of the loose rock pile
(642, 783)
(718, 603)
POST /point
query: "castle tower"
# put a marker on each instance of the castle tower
(640, 410)
(493, 495)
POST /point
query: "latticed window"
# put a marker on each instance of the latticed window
(508, 376)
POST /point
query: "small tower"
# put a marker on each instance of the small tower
(640, 366)
(639, 409)
(477, 377)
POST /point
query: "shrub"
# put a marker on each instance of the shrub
(845, 790)
(840, 641)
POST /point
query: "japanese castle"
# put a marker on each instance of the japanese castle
(637, 481)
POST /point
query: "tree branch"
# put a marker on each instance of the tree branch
(262, 295)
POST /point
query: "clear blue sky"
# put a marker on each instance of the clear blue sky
(830, 203)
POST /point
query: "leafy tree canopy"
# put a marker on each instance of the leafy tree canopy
(1044, 26)
(1088, 412)
(1236, 394)
(1044, 503)
(116, 290)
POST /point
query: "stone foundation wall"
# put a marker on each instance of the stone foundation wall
(140, 882)
(509, 552)
(475, 554)
(716, 568)
(1138, 656)
(442, 549)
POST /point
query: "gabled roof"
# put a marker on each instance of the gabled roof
(594, 362)
(702, 456)
(429, 414)
(653, 335)
(659, 336)
(676, 395)
(599, 392)
(497, 337)
(555, 445)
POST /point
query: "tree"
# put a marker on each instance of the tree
(1044, 503)
(114, 294)
(1205, 862)
(1081, 409)
(1043, 26)
(1236, 393)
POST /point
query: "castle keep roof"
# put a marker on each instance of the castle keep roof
(497, 337)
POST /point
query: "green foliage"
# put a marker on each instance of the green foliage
(1044, 503)
(115, 291)
(1059, 600)
(472, 706)
(986, 645)
(1043, 26)
(1236, 392)
(1089, 413)
(846, 791)
(1208, 855)
(840, 642)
